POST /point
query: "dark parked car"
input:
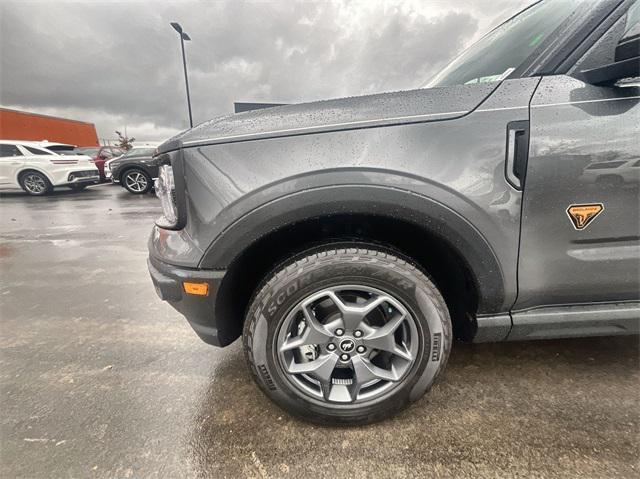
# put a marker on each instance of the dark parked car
(348, 241)
(135, 170)
(100, 155)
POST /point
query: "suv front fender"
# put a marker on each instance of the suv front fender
(429, 214)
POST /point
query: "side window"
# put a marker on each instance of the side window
(106, 152)
(633, 16)
(603, 51)
(36, 151)
(7, 151)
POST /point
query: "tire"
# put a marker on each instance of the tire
(305, 370)
(78, 186)
(136, 181)
(35, 183)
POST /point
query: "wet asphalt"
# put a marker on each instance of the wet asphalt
(99, 378)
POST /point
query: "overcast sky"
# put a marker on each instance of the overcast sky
(118, 63)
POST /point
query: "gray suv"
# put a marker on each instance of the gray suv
(349, 241)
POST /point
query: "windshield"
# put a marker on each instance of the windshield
(504, 49)
(139, 152)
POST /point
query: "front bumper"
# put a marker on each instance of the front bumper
(199, 310)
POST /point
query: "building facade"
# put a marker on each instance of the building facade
(22, 125)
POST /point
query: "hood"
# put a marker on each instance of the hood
(382, 109)
(129, 159)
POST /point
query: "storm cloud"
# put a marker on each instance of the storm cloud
(118, 64)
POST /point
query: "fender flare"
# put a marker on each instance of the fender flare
(430, 215)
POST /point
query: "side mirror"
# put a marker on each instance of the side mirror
(626, 61)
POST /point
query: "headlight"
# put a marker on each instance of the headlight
(165, 190)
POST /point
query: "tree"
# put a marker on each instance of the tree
(124, 142)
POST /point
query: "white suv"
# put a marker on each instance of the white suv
(27, 165)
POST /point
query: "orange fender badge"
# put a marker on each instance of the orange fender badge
(581, 216)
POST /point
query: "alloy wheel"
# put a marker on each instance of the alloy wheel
(34, 183)
(347, 344)
(136, 181)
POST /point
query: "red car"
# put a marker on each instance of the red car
(100, 155)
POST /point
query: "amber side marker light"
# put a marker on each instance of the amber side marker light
(197, 289)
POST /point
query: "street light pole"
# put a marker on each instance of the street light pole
(183, 36)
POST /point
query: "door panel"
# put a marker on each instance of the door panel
(9, 166)
(584, 150)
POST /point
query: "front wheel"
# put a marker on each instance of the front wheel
(136, 181)
(347, 335)
(35, 183)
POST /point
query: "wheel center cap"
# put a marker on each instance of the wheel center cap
(347, 345)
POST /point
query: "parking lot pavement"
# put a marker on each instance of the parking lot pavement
(101, 379)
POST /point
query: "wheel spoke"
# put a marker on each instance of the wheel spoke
(364, 372)
(383, 338)
(320, 369)
(314, 325)
(314, 333)
(352, 316)
(339, 393)
(295, 342)
(403, 352)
